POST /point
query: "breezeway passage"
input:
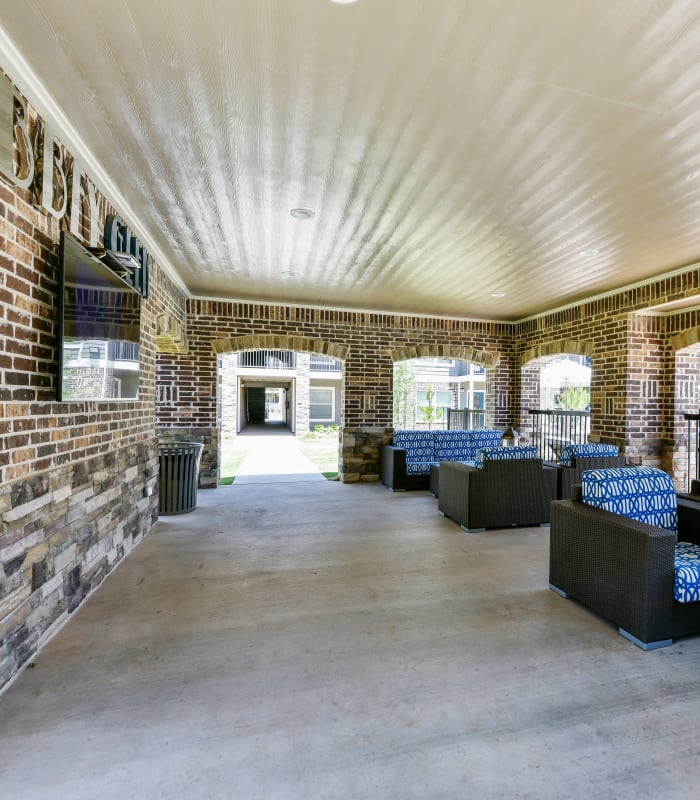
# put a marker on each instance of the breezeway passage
(326, 640)
(273, 456)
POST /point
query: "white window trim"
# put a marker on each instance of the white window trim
(330, 389)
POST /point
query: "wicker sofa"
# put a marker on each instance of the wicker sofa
(508, 486)
(627, 566)
(574, 459)
(406, 463)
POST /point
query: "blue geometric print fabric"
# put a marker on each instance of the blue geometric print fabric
(454, 446)
(418, 467)
(482, 437)
(646, 494)
(571, 451)
(504, 454)
(686, 583)
(418, 445)
(425, 448)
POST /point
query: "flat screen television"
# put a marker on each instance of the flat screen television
(99, 328)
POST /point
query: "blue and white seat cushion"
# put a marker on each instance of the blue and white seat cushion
(484, 437)
(454, 446)
(504, 454)
(590, 450)
(646, 494)
(420, 450)
(686, 583)
(418, 467)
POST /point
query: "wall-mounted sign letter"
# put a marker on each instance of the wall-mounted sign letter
(54, 187)
(83, 187)
(16, 152)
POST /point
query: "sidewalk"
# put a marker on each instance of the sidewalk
(273, 456)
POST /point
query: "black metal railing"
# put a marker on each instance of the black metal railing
(267, 359)
(465, 419)
(553, 428)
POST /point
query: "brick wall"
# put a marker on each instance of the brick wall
(78, 480)
(633, 381)
(372, 341)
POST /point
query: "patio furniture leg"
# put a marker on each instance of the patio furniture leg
(645, 645)
(559, 591)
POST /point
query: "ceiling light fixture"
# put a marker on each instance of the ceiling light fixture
(302, 213)
(590, 252)
(498, 294)
(343, 2)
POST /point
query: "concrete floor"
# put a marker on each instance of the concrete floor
(312, 640)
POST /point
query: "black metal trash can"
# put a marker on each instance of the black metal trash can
(179, 471)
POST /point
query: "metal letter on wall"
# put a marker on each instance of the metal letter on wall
(14, 133)
(54, 192)
(81, 179)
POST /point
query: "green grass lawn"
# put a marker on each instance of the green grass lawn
(323, 451)
(232, 456)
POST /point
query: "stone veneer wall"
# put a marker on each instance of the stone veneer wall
(302, 396)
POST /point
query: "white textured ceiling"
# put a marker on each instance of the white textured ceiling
(450, 148)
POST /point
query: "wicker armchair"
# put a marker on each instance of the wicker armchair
(623, 569)
(500, 495)
(568, 477)
(574, 459)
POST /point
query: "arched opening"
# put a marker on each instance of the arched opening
(686, 401)
(439, 393)
(556, 396)
(442, 386)
(284, 383)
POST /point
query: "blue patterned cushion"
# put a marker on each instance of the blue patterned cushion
(571, 451)
(454, 446)
(646, 494)
(504, 454)
(418, 467)
(483, 437)
(418, 445)
(686, 583)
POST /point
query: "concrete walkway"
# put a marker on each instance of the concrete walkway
(273, 456)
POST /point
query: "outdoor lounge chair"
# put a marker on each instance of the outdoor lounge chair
(628, 570)
(574, 459)
(509, 487)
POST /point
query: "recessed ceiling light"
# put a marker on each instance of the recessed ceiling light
(302, 213)
(343, 2)
(498, 294)
(590, 252)
(289, 273)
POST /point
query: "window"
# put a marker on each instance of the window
(322, 403)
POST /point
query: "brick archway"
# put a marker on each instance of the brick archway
(557, 347)
(297, 389)
(297, 344)
(457, 352)
(481, 358)
(531, 361)
(682, 449)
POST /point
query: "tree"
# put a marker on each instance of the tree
(574, 398)
(429, 413)
(404, 384)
